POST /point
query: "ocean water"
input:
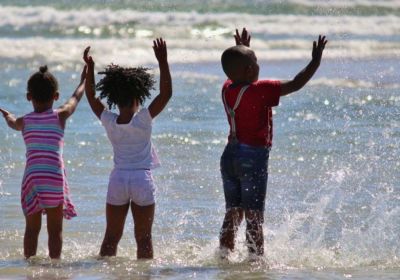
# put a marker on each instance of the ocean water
(333, 201)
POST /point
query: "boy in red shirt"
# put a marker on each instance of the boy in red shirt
(244, 162)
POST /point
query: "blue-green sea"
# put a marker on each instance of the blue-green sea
(333, 199)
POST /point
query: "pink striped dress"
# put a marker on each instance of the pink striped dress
(44, 184)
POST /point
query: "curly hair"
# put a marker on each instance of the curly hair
(122, 86)
(42, 85)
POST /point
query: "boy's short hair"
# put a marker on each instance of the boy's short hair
(122, 86)
(42, 85)
(235, 58)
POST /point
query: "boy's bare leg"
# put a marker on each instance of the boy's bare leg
(143, 217)
(254, 231)
(232, 221)
(33, 223)
(115, 216)
(54, 229)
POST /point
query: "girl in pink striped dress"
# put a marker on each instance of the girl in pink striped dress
(44, 186)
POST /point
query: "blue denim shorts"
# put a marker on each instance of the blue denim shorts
(244, 171)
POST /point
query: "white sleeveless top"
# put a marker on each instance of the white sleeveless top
(131, 142)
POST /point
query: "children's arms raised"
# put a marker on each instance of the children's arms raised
(242, 39)
(305, 75)
(95, 103)
(161, 100)
(12, 121)
(68, 108)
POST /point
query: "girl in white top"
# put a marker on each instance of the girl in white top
(131, 183)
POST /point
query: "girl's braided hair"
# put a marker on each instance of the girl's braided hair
(122, 86)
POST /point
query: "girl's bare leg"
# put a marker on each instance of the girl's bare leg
(54, 229)
(143, 217)
(33, 223)
(115, 216)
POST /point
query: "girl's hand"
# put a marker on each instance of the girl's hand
(160, 50)
(12, 121)
(243, 39)
(90, 88)
(89, 63)
(4, 112)
(89, 85)
(88, 59)
(161, 100)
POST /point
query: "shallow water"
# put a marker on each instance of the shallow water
(333, 201)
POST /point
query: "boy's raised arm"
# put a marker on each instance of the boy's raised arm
(12, 121)
(68, 108)
(95, 103)
(305, 75)
(161, 100)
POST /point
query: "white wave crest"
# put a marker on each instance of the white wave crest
(91, 20)
(68, 52)
(345, 3)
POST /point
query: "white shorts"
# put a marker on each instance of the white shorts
(131, 185)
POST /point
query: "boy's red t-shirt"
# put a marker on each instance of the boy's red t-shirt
(253, 117)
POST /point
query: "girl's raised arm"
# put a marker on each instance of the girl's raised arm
(161, 100)
(12, 121)
(66, 110)
(95, 103)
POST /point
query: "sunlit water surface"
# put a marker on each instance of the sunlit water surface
(333, 201)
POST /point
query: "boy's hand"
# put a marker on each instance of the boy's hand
(305, 75)
(160, 50)
(243, 39)
(318, 48)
